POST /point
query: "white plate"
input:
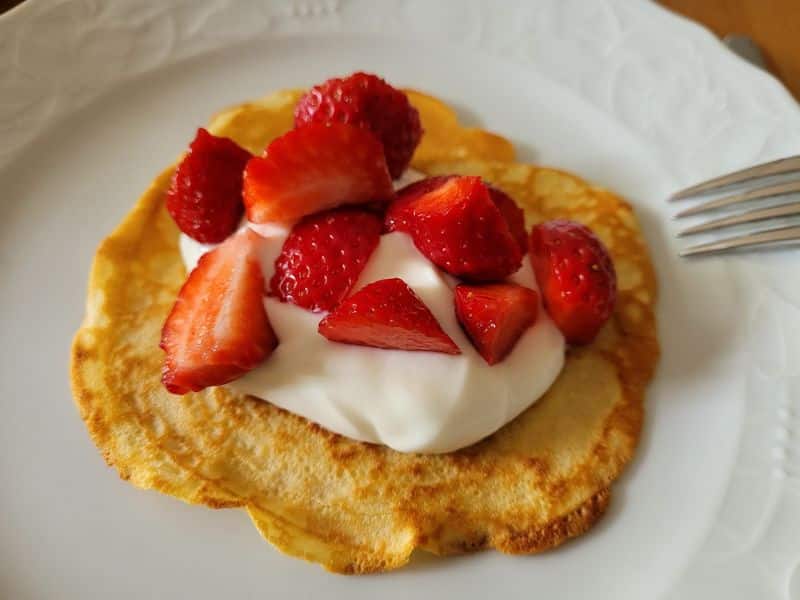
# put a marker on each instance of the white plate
(95, 99)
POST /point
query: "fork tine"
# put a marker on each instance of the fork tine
(776, 167)
(769, 191)
(751, 216)
(759, 238)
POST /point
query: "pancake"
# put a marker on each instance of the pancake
(350, 506)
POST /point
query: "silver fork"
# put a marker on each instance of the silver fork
(757, 190)
(758, 184)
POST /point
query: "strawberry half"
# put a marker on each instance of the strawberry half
(387, 314)
(576, 277)
(456, 225)
(218, 328)
(315, 168)
(495, 316)
(205, 198)
(323, 257)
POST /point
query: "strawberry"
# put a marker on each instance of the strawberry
(323, 257)
(218, 328)
(368, 102)
(313, 169)
(513, 215)
(387, 314)
(205, 198)
(454, 223)
(495, 316)
(576, 278)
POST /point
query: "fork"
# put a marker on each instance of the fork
(758, 185)
(754, 178)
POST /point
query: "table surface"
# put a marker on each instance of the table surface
(773, 24)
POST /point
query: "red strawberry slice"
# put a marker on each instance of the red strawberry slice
(387, 314)
(366, 101)
(455, 224)
(513, 215)
(495, 316)
(218, 328)
(205, 198)
(576, 277)
(315, 168)
(323, 257)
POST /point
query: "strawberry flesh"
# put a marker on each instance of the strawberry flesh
(455, 224)
(205, 197)
(513, 215)
(495, 316)
(387, 314)
(576, 277)
(218, 328)
(313, 169)
(323, 257)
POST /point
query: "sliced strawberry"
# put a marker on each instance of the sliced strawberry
(454, 223)
(205, 198)
(495, 316)
(387, 314)
(323, 257)
(576, 277)
(218, 328)
(315, 168)
(400, 215)
(366, 101)
(513, 215)
(511, 212)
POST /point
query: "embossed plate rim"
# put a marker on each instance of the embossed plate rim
(635, 83)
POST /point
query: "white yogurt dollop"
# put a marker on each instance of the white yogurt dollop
(410, 401)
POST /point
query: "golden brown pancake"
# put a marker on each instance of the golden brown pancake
(350, 506)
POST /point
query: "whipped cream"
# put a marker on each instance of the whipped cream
(423, 402)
